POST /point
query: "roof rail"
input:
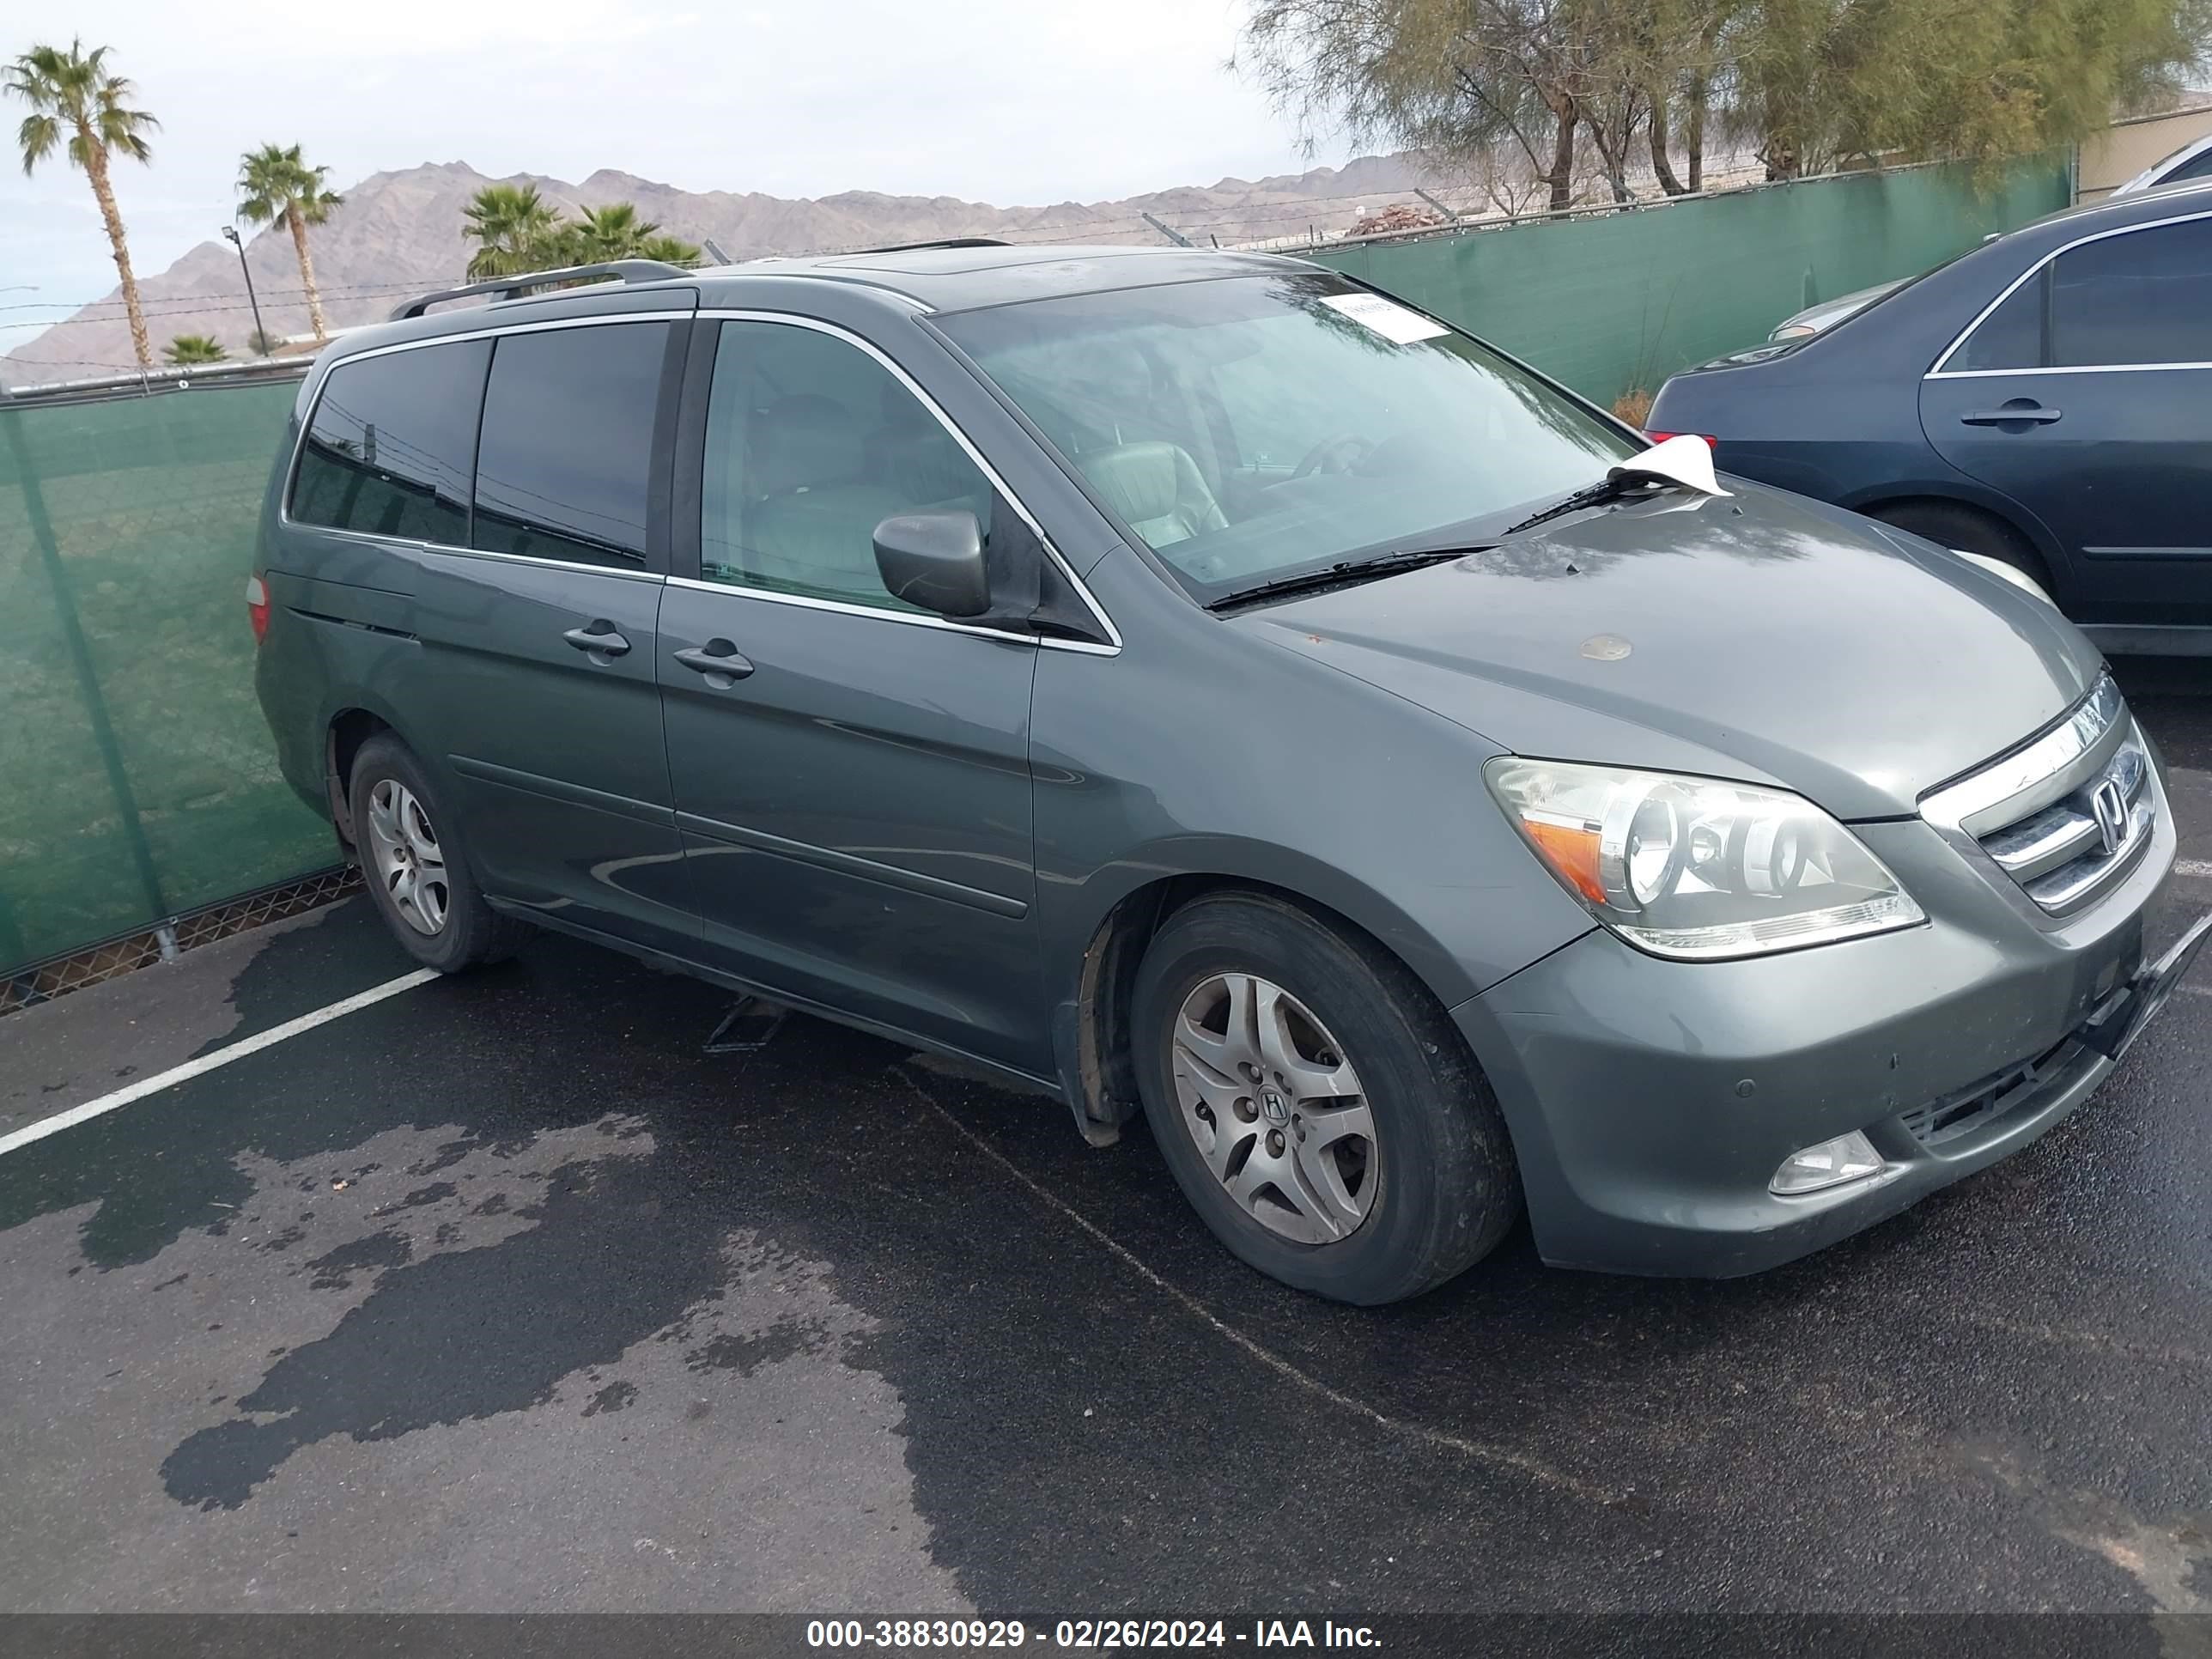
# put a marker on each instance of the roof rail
(507, 288)
(942, 241)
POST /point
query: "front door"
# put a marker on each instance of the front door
(2087, 397)
(851, 775)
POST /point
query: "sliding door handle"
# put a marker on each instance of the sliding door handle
(718, 660)
(601, 639)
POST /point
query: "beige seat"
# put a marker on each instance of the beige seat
(1157, 490)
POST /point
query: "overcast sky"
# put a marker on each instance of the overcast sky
(1007, 102)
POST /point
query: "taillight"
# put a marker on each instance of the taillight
(1661, 437)
(256, 607)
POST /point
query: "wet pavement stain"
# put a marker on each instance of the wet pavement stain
(773, 1318)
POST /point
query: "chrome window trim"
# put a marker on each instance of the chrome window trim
(1939, 373)
(917, 618)
(324, 370)
(417, 545)
(724, 313)
(549, 564)
(2071, 368)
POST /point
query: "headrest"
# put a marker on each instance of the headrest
(1139, 481)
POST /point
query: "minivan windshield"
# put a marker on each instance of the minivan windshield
(1254, 428)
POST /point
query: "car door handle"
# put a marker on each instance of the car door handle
(601, 638)
(718, 660)
(2027, 415)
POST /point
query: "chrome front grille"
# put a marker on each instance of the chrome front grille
(2066, 815)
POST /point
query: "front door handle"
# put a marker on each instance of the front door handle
(601, 638)
(718, 660)
(2024, 414)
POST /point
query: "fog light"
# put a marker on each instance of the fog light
(1832, 1163)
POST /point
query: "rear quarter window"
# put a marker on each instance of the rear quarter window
(390, 448)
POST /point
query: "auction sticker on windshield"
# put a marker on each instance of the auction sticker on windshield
(1386, 318)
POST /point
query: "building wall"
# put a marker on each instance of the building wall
(2116, 155)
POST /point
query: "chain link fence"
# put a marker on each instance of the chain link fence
(139, 781)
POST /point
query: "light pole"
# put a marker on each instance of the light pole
(230, 235)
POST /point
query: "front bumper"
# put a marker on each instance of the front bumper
(1650, 1100)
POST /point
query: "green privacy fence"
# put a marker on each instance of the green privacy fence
(139, 781)
(1621, 301)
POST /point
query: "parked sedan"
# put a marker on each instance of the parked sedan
(2192, 160)
(2045, 400)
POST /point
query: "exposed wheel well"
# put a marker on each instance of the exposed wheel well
(2004, 539)
(1107, 1097)
(351, 729)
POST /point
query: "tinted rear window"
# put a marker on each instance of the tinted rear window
(2145, 297)
(565, 466)
(389, 447)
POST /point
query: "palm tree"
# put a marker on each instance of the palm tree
(673, 250)
(275, 184)
(612, 232)
(512, 226)
(77, 106)
(188, 348)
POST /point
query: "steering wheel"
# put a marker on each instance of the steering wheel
(1339, 454)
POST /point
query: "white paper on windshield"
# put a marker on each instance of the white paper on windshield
(1386, 317)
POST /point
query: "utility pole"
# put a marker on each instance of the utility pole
(230, 235)
(1167, 231)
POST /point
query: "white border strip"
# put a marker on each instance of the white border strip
(206, 1063)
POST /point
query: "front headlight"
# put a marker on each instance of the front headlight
(1695, 868)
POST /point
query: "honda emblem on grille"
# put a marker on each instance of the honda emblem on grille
(2111, 806)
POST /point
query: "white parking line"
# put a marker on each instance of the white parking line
(2199, 867)
(206, 1063)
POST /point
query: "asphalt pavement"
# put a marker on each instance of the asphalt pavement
(501, 1294)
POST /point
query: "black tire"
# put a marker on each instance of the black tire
(471, 932)
(1446, 1188)
(1967, 530)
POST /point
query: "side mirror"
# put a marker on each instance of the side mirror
(934, 560)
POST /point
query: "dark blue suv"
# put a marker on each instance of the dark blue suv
(2045, 399)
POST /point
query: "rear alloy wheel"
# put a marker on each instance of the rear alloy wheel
(407, 860)
(417, 870)
(1314, 1102)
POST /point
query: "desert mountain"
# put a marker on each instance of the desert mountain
(400, 233)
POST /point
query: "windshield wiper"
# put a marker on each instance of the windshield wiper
(1344, 573)
(1597, 494)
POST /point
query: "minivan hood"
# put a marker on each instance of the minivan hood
(1765, 638)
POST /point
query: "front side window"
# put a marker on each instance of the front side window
(565, 466)
(2144, 297)
(811, 443)
(390, 446)
(1252, 428)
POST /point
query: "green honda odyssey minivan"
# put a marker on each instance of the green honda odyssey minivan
(1192, 683)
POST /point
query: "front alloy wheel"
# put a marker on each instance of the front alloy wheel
(1314, 1101)
(1275, 1109)
(408, 860)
